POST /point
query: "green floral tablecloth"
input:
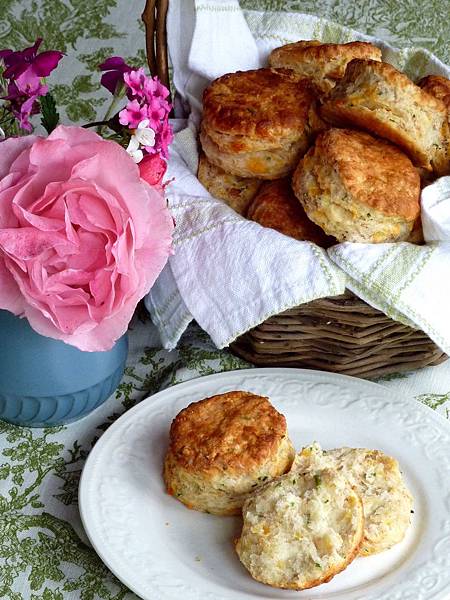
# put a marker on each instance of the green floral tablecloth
(43, 550)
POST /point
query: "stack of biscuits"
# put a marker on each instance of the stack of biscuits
(306, 517)
(328, 144)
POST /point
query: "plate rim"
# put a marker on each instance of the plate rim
(90, 461)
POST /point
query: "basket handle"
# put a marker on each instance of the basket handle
(154, 16)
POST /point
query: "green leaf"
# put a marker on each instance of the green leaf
(93, 59)
(48, 595)
(81, 110)
(36, 579)
(50, 116)
(18, 479)
(434, 401)
(83, 84)
(4, 471)
(4, 506)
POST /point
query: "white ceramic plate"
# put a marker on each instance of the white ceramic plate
(163, 551)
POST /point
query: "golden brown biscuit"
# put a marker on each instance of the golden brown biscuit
(276, 206)
(222, 448)
(260, 164)
(376, 97)
(257, 123)
(358, 188)
(236, 191)
(300, 531)
(323, 63)
(437, 86)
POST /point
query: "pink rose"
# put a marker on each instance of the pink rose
(82, 236)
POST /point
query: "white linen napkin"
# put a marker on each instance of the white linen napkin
(409, 283)
(231, 274)
(436, 211)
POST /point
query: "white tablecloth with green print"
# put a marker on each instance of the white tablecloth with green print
(43, 550)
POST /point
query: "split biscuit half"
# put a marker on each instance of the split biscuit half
(300, 531)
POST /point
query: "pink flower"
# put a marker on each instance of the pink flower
(82, 236)
(155, 89)
(164, 138)
(147, 102)
(152, 169)
(155, 113)
(133, 114)
(135, 81)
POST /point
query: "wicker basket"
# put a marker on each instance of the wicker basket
(342, 334)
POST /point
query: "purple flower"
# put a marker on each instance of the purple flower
(132, 114)
(26, 67)
(24, 111)
(14, 93)
(24, 71)
(115, 69)
(4, 53)
(23, 105)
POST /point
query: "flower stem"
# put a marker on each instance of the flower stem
(96, 124)
(118, 95)
(111, 108)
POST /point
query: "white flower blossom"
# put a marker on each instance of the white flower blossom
(143, 136)
(2, 134)
(133, 150)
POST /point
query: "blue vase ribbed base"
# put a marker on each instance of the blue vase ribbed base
(45, 382)
(49, 411)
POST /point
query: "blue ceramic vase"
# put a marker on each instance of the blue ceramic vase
(45, 382)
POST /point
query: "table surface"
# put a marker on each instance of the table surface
(44, 552)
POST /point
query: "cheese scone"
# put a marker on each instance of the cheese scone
(300, 531)
(276, 206)
(223, 447)
(358, 188)
(235, 191)
(437, 86)
(375, 96)
(258, 123)
(323, 63)
(377, 479)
